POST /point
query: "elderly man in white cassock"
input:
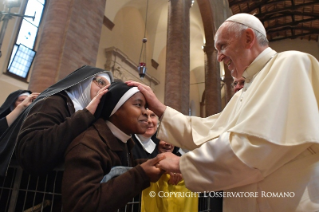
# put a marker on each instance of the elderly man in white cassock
(263, 148)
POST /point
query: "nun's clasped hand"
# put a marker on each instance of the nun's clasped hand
(151, 169)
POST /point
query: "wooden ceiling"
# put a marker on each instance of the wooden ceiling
(283, 19)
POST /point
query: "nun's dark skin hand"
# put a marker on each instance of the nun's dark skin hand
(96, 100)
(151, 170)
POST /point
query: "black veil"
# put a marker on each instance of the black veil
(8, 140)
(5, 108)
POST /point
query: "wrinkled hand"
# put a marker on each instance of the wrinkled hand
(153, 103)
(96, 100)
(27, 101)
(170, 163)
(151, 170)
(175, 178)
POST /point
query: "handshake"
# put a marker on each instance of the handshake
(164, 162)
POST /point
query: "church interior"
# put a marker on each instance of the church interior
(173, 39)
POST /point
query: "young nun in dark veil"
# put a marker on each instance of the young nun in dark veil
(53, 120)
(13, 106)
(104, 145)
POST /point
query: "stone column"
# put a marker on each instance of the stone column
(177, 77)
(212, 81)
(70, 38)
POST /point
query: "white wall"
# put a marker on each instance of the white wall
(310, 47)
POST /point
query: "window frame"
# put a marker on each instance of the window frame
(34, 45)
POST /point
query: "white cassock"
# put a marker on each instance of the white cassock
(265, 141)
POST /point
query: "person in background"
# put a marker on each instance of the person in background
(13, 106)
(105, 145)
(238, 84)
(163, 146)
(59, 114)
(145, 144)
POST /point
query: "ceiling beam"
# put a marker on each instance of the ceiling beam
(290, 13)
(291, 23)
(291, 37)
(310, 29)
(258, 4)
(292, 8)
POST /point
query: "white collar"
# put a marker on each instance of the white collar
(147, 143)
(263, 53)
(257, 65)
(117, 132)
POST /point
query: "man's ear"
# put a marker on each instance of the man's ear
(250, 38)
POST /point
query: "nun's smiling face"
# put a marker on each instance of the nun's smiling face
(96, 85)
(152, 121)
(131, 117)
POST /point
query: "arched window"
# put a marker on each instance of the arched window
(23, 51)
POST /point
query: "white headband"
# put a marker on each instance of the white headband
(105, 76)
(124, 98)
(25, 94)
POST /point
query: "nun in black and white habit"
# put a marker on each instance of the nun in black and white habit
(44, 130)
(105, 145)
(8, 106)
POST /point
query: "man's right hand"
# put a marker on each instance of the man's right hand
(153, 103)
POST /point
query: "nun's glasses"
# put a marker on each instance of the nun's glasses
(100, 82)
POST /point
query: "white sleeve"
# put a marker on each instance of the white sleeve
(184, 131)
(214, 166)
(232, 161)
(175, 128)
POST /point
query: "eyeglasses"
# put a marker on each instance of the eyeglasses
(100, 82)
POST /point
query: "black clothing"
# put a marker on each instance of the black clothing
(7, 107)
(47, 131)
(9, 139)
(139, 152)
(108, 102)
(176, 152)
(88, 158)
(3, 125)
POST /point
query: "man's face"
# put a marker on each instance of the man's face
(131, 117)
(238, 84)
(231, 50)
(152, 121)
